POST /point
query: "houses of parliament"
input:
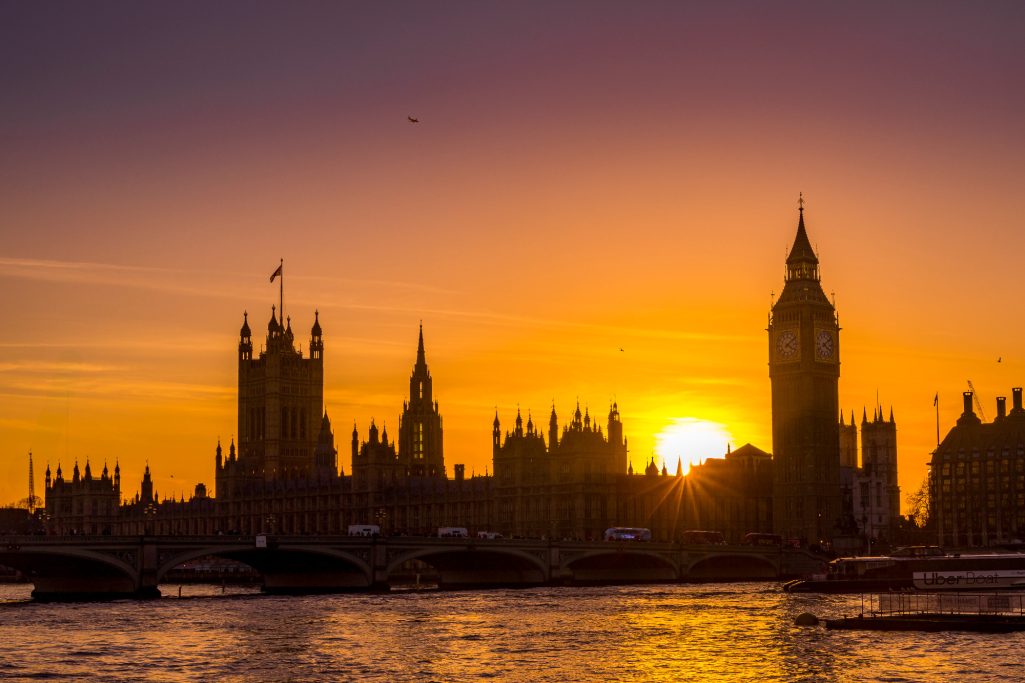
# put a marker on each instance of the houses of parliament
(565, 478)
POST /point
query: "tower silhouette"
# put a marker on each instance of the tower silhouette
(280, 401)
(420, 442)
(804, 370)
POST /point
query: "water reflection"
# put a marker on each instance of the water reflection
(729, 632)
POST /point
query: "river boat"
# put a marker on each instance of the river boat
(989, 612)
(922, 568)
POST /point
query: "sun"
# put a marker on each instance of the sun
(691, 440)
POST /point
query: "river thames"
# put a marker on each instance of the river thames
(713, 632)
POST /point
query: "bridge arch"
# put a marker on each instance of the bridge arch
(292, 567)
(469, 565)
(58, 572)
(618, 564)
(738, 566)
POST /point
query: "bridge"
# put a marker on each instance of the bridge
(103, 567)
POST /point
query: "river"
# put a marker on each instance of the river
(720, 632)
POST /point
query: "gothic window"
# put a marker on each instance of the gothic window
(418, 439)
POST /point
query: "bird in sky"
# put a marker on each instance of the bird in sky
(413, 120)
(1000, 358)
(620, 349)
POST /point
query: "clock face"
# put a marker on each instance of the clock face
(786, 345)
(824, 345)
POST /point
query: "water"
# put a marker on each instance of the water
(727, 632)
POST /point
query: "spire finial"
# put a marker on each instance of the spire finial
(800, 202)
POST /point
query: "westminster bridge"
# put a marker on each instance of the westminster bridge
(133, 566)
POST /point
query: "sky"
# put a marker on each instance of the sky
(595, 205)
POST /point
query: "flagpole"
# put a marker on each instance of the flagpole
(282, 300)
(936, 403)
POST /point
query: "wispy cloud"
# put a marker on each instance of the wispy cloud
(60, 367)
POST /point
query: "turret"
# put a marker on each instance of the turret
(553, 429)
(316, 338)
(519, 423)
(245, 343)
(325, 455)
(615, 427)
(218, 458)
(146, 488)
(496, 433)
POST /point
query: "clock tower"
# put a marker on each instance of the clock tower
(804, 370)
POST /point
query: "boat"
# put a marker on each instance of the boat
(978, 612)
(922, 568)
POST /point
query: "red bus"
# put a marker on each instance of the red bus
(703, 538)
(754, 538)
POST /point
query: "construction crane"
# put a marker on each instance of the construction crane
(31, 486)
(978, 403)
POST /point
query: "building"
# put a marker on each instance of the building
(565, 488)
(804, 370)
(977, 477)
(420, 442)
(871, 495)
(731, 494)
(84, 505)
(280, 400)
(283, 475)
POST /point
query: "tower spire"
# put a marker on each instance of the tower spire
(421, 357)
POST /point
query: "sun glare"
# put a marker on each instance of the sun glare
(691, 440)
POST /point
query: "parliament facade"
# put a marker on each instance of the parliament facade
(564, 479)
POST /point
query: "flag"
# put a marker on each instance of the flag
(276, 272)
(935, 401)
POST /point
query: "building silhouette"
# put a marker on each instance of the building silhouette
(871, 495)
(566, 488)
(569, 480)
(280, 397)
(977, 477)
(85, 504)
(804, 370)
(420, 442)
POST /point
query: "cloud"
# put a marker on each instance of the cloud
(66, 367)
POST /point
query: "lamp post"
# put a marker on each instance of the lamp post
(149, 513)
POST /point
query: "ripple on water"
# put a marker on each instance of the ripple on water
(734, 632)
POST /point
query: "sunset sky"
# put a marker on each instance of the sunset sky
(585, 178)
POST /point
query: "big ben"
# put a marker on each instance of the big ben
(804, 370)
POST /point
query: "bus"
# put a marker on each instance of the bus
(702, 538)
(453, 532)
(754, 538)
(627, 533)
(364, 530)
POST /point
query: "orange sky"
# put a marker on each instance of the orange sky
(581, 181)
